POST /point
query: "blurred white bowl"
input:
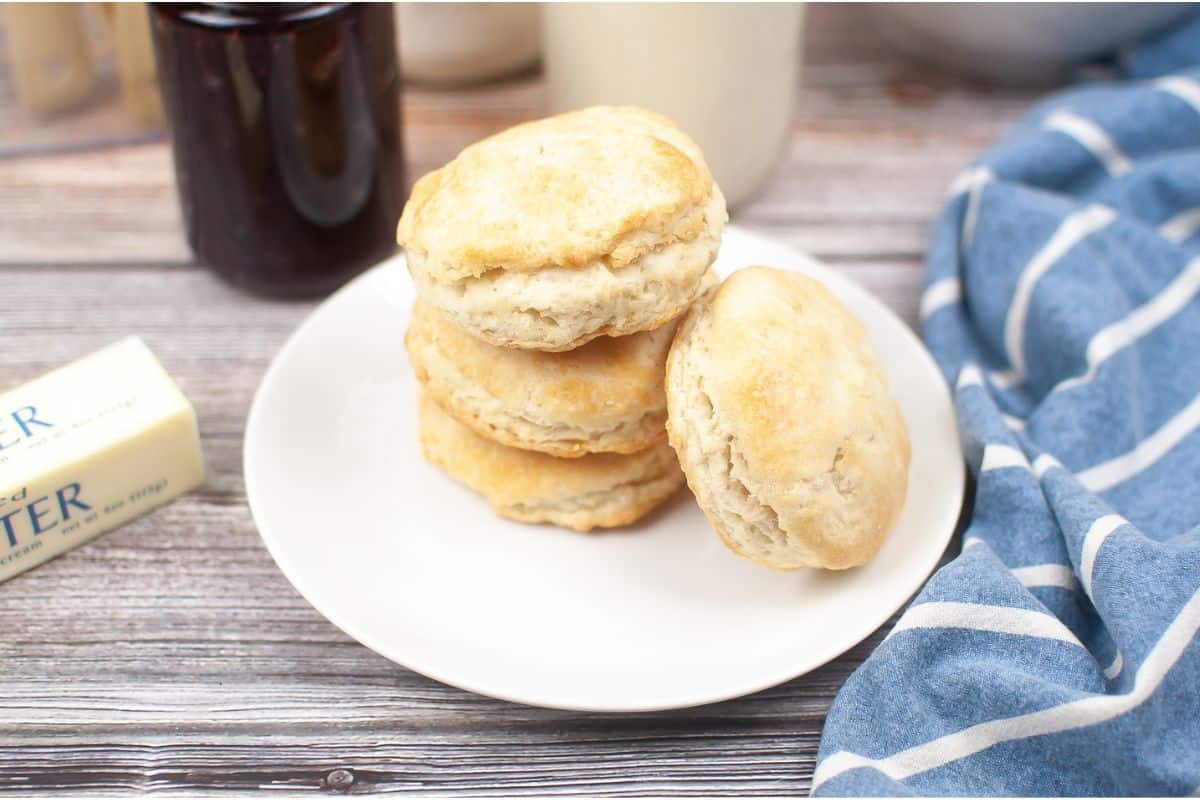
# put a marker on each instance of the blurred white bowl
(460, 43)
(1020, 43)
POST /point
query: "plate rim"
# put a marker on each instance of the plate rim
(827, 275)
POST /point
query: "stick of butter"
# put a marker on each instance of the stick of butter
(88, 447)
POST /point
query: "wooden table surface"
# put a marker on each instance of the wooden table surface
(172, 653)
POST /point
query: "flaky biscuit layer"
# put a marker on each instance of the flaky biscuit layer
(598, 490)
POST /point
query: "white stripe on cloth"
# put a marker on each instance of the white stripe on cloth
(978, 617)
(1016, 423)
(1070, 232)
(1085, 712)
(1043, 464)
(1036, 575)
(1046, 575)
(1100, 530)
(1092, 138)
(999, 456)
(1181, 227)
(969, 375)
(971, 181)
(967, 179)
(1142, 320)
(1114, 669)
(1108, 474)
(939, 295)
(971, 217)
(1186, 89)
(1005, 378)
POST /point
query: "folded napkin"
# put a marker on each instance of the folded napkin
(1057, 655)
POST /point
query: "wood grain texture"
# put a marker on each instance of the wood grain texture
(173, 655)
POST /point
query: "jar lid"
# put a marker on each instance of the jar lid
(249, 15)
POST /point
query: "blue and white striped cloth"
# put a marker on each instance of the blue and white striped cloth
(1058, 654)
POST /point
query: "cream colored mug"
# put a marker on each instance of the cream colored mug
(727, 73)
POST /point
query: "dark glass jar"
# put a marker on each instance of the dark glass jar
(285, 123)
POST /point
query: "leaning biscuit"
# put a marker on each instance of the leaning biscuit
(598, 490)
(606, 396)
(547, 235)
(779, 410)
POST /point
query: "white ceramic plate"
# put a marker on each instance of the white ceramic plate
(655, 616)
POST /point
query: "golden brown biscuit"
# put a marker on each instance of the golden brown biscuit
(606, 396)
(547, 235)
(598, 490)
(779, 410)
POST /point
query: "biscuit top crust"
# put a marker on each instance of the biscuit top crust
(603, 183)
(794, 380)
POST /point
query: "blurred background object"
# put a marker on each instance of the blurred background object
(728, 74)
(81, 77)
(50, 55)
(129, 27)
(75, 75)
(1019, 44)
(462, 43)
(285, 128)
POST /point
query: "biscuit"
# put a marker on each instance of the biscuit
(598, 490)
(547, 235)
(779, 410)
(606, 396)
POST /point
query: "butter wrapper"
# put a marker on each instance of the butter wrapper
(88, 447)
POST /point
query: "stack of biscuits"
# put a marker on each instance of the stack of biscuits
(553, 262)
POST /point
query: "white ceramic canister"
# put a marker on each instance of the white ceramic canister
(727, 73)
(460, 43)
